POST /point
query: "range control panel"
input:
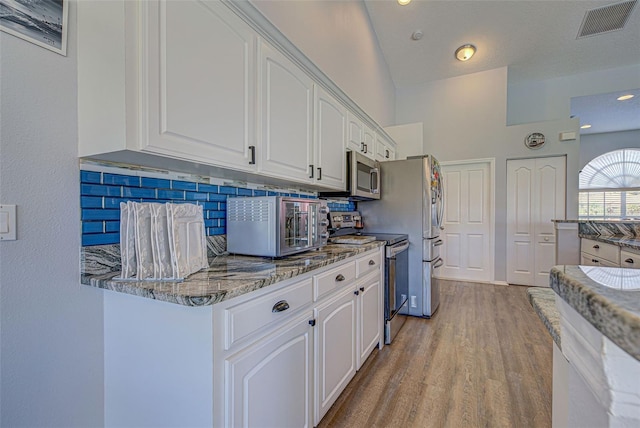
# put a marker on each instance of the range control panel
(341, 220)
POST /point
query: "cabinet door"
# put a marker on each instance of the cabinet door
(369, 138)
(355, 133)
(629, 259)
(384, 150)
(335, 349)
(269, 383)
(330, 143)
(285, 117)
(369, 316)
(199, 69)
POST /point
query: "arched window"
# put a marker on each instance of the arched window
(610, 186)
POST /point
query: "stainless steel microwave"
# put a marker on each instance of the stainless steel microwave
(275, 226)
(363, 179)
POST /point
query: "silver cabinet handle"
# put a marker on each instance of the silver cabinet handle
(371, 263)
(340, 278)
(280, 306)
(629, 260)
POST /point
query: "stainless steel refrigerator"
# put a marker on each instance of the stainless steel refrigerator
(412, 202)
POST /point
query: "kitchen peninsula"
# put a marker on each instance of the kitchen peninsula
(596, 361)
(250, 341)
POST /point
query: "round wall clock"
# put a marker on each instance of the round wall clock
(535, 140)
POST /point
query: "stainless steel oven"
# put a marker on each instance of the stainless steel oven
(396, 287)
(275, 226)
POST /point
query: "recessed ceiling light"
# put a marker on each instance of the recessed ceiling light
(625, 97)
(404, 2)
(465, 52)
(587, 126)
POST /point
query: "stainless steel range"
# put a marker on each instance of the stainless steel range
(344, 228)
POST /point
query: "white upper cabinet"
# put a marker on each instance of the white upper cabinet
(330, 142)
(360, 137)
(385, 149)
(191, 86)
(198, 74)
(286, 117)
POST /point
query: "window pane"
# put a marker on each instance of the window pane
(633, 204)
(612, 204)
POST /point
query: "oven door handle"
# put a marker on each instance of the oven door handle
(393, 250)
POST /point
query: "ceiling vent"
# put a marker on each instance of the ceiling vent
(605, 19)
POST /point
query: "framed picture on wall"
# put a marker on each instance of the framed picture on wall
(41, 22)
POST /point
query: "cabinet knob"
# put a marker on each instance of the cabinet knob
(629, 260)
(371, 263)
(280, 306)
(596, 246)
(546, 238)
(362, 289)
(357, 293)
(595, 260)
(312, 323)
(340, 277)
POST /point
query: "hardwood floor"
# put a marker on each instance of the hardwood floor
(485, 359)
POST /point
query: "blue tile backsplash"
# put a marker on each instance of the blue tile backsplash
(102, 192)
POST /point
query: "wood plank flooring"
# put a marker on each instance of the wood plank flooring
(484, 360)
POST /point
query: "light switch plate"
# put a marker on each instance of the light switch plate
(8, 222)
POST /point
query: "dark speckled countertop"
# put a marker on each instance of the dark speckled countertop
(543, 301)
(228, 276)
(608, 298)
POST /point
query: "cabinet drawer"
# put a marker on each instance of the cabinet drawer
(367, 264)
(629, 259)
(335, 278)
(591, 260)
(601, 250)
(243, 319)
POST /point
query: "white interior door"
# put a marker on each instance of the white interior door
(535, 196)
(467, 251)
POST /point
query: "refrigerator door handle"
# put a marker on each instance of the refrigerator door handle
(438, 243)
(438, 263)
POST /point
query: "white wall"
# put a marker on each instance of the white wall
(337, 36)
(550, 99)
(51, 338)
(594, 145)
(465, 118)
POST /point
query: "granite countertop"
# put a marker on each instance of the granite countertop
(229, 276)
(543, 301)
(608, 298)
(632, 242)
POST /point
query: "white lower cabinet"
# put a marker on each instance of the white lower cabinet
(268, 384)
(595, 253)
(335, 348)
(283, 355)
(369, 316)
